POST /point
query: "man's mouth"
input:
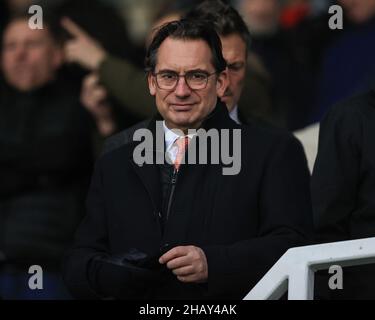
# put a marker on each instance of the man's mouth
(226, 97)
(227, 94)
(182, 106)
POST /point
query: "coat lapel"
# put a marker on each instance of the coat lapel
(196, 189)
(149, 173)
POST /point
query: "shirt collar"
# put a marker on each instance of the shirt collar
(234, 115)
(170, 136)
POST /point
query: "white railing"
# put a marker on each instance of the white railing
(294, 271)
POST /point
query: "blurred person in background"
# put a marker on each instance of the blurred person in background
(101, 21)
(88, 14)
(294, 11)
(111, 28)
(348, 65)
(274, 41)
(343, 189)
(261, 16)
(17, 6)
(45, 159)
(247, 96)
(110, 75)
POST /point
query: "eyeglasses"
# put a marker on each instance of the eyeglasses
(196, 80)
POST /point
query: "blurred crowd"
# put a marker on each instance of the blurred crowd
(66, 88)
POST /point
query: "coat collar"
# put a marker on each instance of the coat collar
(218, 118)
(149, 173)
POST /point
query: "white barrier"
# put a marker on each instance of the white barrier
(294, 271)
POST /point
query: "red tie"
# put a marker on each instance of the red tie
(182, 145)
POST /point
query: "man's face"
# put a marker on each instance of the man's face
(184, 108)
(261, 16)
(358, 11)
(29, 57)
(234, 52)
(19, 5)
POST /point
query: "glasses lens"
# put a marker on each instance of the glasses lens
(196, 80)
(166, 80)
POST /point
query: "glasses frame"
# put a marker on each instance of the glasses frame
(155, 74)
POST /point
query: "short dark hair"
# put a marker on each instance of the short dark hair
(187, 29)
(225, 19)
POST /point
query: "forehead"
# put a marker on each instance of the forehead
(183, 55)
(234, 47)
(19, 30)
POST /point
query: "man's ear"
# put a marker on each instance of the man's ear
(222, 83)
(151, 84)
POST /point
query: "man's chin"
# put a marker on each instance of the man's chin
(23, 87)
(23, 84)
(182, 121)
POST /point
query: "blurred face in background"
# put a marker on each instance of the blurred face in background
(358, 11)
(261, 16)
(19, 5)
(30, 58)
(235, 53)
(173, 16)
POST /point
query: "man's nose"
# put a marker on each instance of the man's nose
(228, 89)
(182, 89)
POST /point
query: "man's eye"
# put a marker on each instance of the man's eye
(198, 76)
(167, 76)
(236, 66)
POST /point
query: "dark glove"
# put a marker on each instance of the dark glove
(132, 275)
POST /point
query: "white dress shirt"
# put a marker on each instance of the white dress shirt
(170, 137)
(234, 115)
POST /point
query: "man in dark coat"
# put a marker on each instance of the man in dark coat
(343, 187)
(188, 230)
(45, 160)
(243, 92)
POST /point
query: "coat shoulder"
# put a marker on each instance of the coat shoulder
(359, 106)
(117, 148)
(264, 135)
(123, 137)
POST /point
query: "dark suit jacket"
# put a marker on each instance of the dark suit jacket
(244, 223)
(343, 184)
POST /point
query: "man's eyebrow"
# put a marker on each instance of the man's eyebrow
(192, 70)
(198, 70)
(166, 70)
